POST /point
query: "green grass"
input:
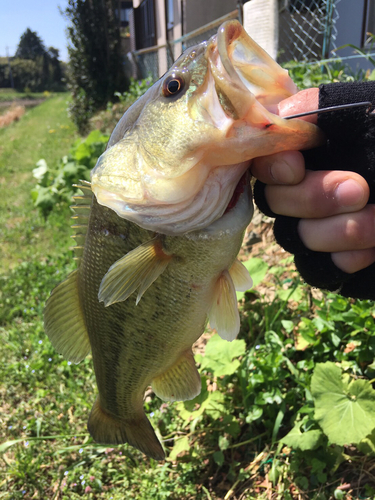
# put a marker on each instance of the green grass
(44, 132)
(14, 95)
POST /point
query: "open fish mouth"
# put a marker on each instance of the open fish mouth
(175, 158)
(245, 76)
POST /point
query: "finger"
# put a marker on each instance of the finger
(305, 100)
(340, 233)
(353, 261)
(287, 167)
(320, 194)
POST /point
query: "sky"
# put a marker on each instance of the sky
(42, 16)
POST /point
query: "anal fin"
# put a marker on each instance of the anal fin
(223, 314)
(138, 432)
(137, 269)
(64, 322)
(181, 382)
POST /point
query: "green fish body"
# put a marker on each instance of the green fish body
(135, 346)
(159, 228)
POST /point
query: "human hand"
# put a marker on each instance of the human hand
(331, 204)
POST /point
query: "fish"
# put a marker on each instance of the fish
(160, 226)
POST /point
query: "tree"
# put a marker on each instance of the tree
(95, 70)
(30, 46)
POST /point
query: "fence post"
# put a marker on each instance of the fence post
(328, 28)
(161, 38)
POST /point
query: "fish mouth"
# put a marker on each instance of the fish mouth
(247, 79)
(230, 95)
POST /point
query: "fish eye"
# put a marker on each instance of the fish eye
(173, 85)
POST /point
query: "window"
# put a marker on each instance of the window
(368, 23)
(169, 14)
(125, 13)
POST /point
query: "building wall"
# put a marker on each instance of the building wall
(197, 13)
(349, 30)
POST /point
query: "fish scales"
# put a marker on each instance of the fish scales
(159, 228)
(122, 337)
(175, 323)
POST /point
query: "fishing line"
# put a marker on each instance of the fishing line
(332, 108)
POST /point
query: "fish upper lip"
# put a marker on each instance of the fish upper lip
(245, 73)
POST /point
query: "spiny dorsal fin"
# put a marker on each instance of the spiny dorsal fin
(240, 275)
(137, 269)
(86, 197)
(81, 215)
(223, 314)
(64, 322)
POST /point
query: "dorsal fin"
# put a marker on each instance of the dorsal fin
(81, 209)
(64, 321)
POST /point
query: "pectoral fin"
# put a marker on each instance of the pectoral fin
(240, 275)
(179, 383)
(138, 269)
(64, 322)
(223, 314)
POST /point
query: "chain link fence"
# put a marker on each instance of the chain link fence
(307, 31)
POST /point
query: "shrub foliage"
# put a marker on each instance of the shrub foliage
(33, 67)
(95, 70)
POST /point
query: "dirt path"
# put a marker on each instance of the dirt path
(21, 102)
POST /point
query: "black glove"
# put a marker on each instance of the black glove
(350, 146)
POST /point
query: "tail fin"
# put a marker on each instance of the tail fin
(138, 432)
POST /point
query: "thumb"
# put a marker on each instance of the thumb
(305, 100)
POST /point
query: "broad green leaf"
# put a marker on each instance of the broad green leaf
(213, 405)
(309, 440)
(219, 356)
(290, 294)
(288, 325)
(83, 151)
(257, 269)
(223, 442)
(181, 444)
(255, 413)
(96, 136)
(219, 458)
(301, 343)
(344, 408)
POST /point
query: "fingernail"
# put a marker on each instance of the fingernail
(282, 173)
(349, 193)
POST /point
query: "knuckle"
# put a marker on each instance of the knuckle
(359, 230)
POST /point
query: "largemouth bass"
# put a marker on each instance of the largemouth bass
(164, 216)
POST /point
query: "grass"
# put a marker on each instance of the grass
(14, 95)
(251, 434)
(45, 131)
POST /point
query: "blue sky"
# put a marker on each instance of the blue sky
(42, 16)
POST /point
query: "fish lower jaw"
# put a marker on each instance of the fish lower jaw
(218, 194)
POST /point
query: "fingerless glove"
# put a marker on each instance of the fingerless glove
(350, 146)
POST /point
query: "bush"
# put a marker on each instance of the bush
(35, 75)
(96, 67)
(55, 185)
